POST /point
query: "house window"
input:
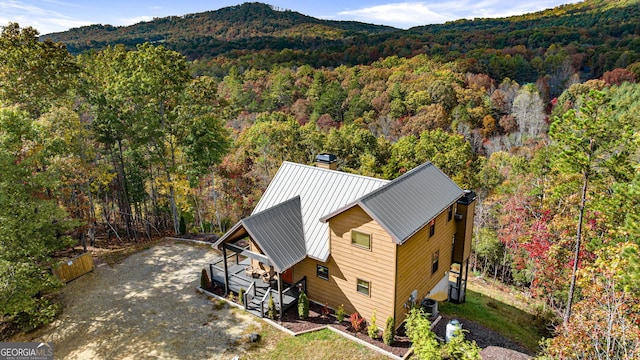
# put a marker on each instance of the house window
(363, 287)
(322, 272)
(434, 261)
(432, 227)
(361, 239)
(450, 215)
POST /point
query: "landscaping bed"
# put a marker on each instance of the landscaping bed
(494, 344)
(316, 320)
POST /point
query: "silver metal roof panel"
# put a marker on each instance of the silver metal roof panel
(321, 191)
(408, 203)
(279, 234)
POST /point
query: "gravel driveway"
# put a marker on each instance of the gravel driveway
(146, 307)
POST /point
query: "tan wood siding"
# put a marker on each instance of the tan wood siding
(320, 290)
(348, 263)
(414, 262)
(464, 232)
(255, 264)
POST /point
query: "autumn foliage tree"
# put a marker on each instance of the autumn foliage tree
(605, 324)
(591, 145)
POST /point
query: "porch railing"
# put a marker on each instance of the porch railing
(213, 269)
(248, 296)
(264, 298)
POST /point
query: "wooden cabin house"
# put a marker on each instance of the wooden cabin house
(359, 242)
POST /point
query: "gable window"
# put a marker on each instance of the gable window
(322, 272)
(432, 227)
(434, 261)
(363, 287)
(450, 214)
(360, 239)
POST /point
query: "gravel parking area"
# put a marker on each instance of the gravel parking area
(147, 307)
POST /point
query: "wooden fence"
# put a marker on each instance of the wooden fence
(74, 268)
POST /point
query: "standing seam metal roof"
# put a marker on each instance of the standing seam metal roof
(279, 234)
(408, 203)
(321, 191)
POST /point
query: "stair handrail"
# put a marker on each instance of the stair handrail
(264, 298)
(246, 294)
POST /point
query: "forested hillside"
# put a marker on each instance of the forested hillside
(588, 39)
(246, 27)
(128, 144)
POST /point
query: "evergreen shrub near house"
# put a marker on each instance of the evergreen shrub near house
(183, 225)
(340, 313)
(372, 329)
(241, 296)
(303, 305)
(205, 283)
(389, 331)
(271, 308)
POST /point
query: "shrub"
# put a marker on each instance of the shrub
(325, 310)
(340, 313)
(389, 331)
(372, 329)
(241, 296)
(459, 348)
(424, 342)
(231, 297)
(303, 306)
(426, 346)
(356, 321)
(205, 283)
(271, 309)
(182, 226)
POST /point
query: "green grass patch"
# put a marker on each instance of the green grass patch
(505, 319)
(322, 344)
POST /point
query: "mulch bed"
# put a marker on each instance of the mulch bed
(494, 345)
(290, 320)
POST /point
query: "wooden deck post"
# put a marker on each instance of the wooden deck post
(211, 275)
(226, 271)
(280, 295)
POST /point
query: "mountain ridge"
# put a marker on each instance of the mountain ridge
(261, 20)
(600, 35)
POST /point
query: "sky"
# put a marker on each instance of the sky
(49, 16)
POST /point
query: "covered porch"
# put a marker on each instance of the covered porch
(258, 254)
(256, 285)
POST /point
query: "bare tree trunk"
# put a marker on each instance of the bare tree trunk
(124, 204)
(215, 199)
(576, 256)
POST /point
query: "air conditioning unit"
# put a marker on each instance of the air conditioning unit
(458, 216)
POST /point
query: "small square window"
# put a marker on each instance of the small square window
(322, 272)
(432, 227)
(434, 261)
(363, 287)
(450, 214)
(360, 239)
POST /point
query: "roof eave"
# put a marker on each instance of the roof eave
(227, 235)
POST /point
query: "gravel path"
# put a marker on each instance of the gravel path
(146, 307)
